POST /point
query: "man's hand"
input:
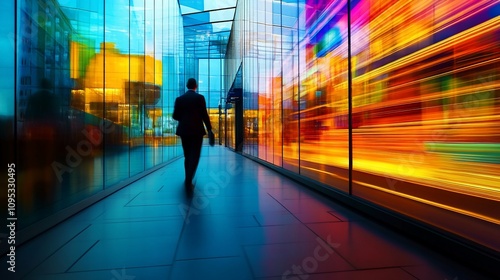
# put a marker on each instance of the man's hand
(211, 138)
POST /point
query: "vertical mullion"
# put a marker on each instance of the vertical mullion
(154, 82)
(282, 77)
(104, 96)
(298, 88)
(349, 92)
(129, 107)
(143, 104)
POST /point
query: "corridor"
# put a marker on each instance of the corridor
(244, 221)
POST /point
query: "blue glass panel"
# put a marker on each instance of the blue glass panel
(219, 4)
(7, 63)
(222, 15)
(190, 6)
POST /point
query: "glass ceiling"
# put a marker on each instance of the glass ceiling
(207, 25)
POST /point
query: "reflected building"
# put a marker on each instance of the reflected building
(43, 52)
(82, 97)
(127, 86)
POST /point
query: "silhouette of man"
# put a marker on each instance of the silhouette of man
(43, 135)
(190, 110)
(42, 125)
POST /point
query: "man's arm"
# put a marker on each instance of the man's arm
(175, 114)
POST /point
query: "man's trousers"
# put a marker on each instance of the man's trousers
(191, 145)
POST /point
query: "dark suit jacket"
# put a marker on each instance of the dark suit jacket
(190, 110)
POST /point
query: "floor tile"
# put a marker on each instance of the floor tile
(118, 253)
(275, 234)
(88, 215)
(208, 236)
(309, 210)
(211, 269)
(272, 219)
(155, 198)
(365, 248)
(442, 269)
(304, 205)
(247, 204)
(311, 216)
(31, 254)
(287, 193)
(123, 273)
(242, 221)
(372, 274)
(137, 229)
(293, 259)
(140, 213)
(64, 258)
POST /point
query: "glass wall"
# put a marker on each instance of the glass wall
(402, 95)
(210, 85)
(425, 110)
(7, 108)
(88, 87)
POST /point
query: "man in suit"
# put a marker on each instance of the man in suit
(190, 110)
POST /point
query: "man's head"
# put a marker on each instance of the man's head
(191, 84)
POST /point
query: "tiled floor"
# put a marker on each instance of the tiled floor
(244, 222)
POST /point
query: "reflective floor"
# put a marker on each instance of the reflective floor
(244, 221)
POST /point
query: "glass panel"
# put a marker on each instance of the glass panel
(116, 75)
(251, 82)
(215, 79)
(201, 30)
(89, 90)
(291, 89)
(220, 4)
(138, 87)
(277, 84)
(159, 77)
(203, 84)
(263, 82)
(196, 19)
(7, 105)
(170, 89)
(190, 6)
(221, 26)
(60, 106)
(173, 74)
(426, 112)
(213, 16)
(323, 94)
(222, 15)
(230, 126)
(152, 87)
(289, 14)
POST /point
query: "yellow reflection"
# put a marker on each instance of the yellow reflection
(117, 80)
(425, 102)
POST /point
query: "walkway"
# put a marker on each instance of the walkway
(244, 222)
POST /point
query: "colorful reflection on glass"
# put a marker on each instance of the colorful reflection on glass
(93, 105)
(426, 109)
(425, 106)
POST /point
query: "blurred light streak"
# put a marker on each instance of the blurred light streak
(432, 203)
(486, 27)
